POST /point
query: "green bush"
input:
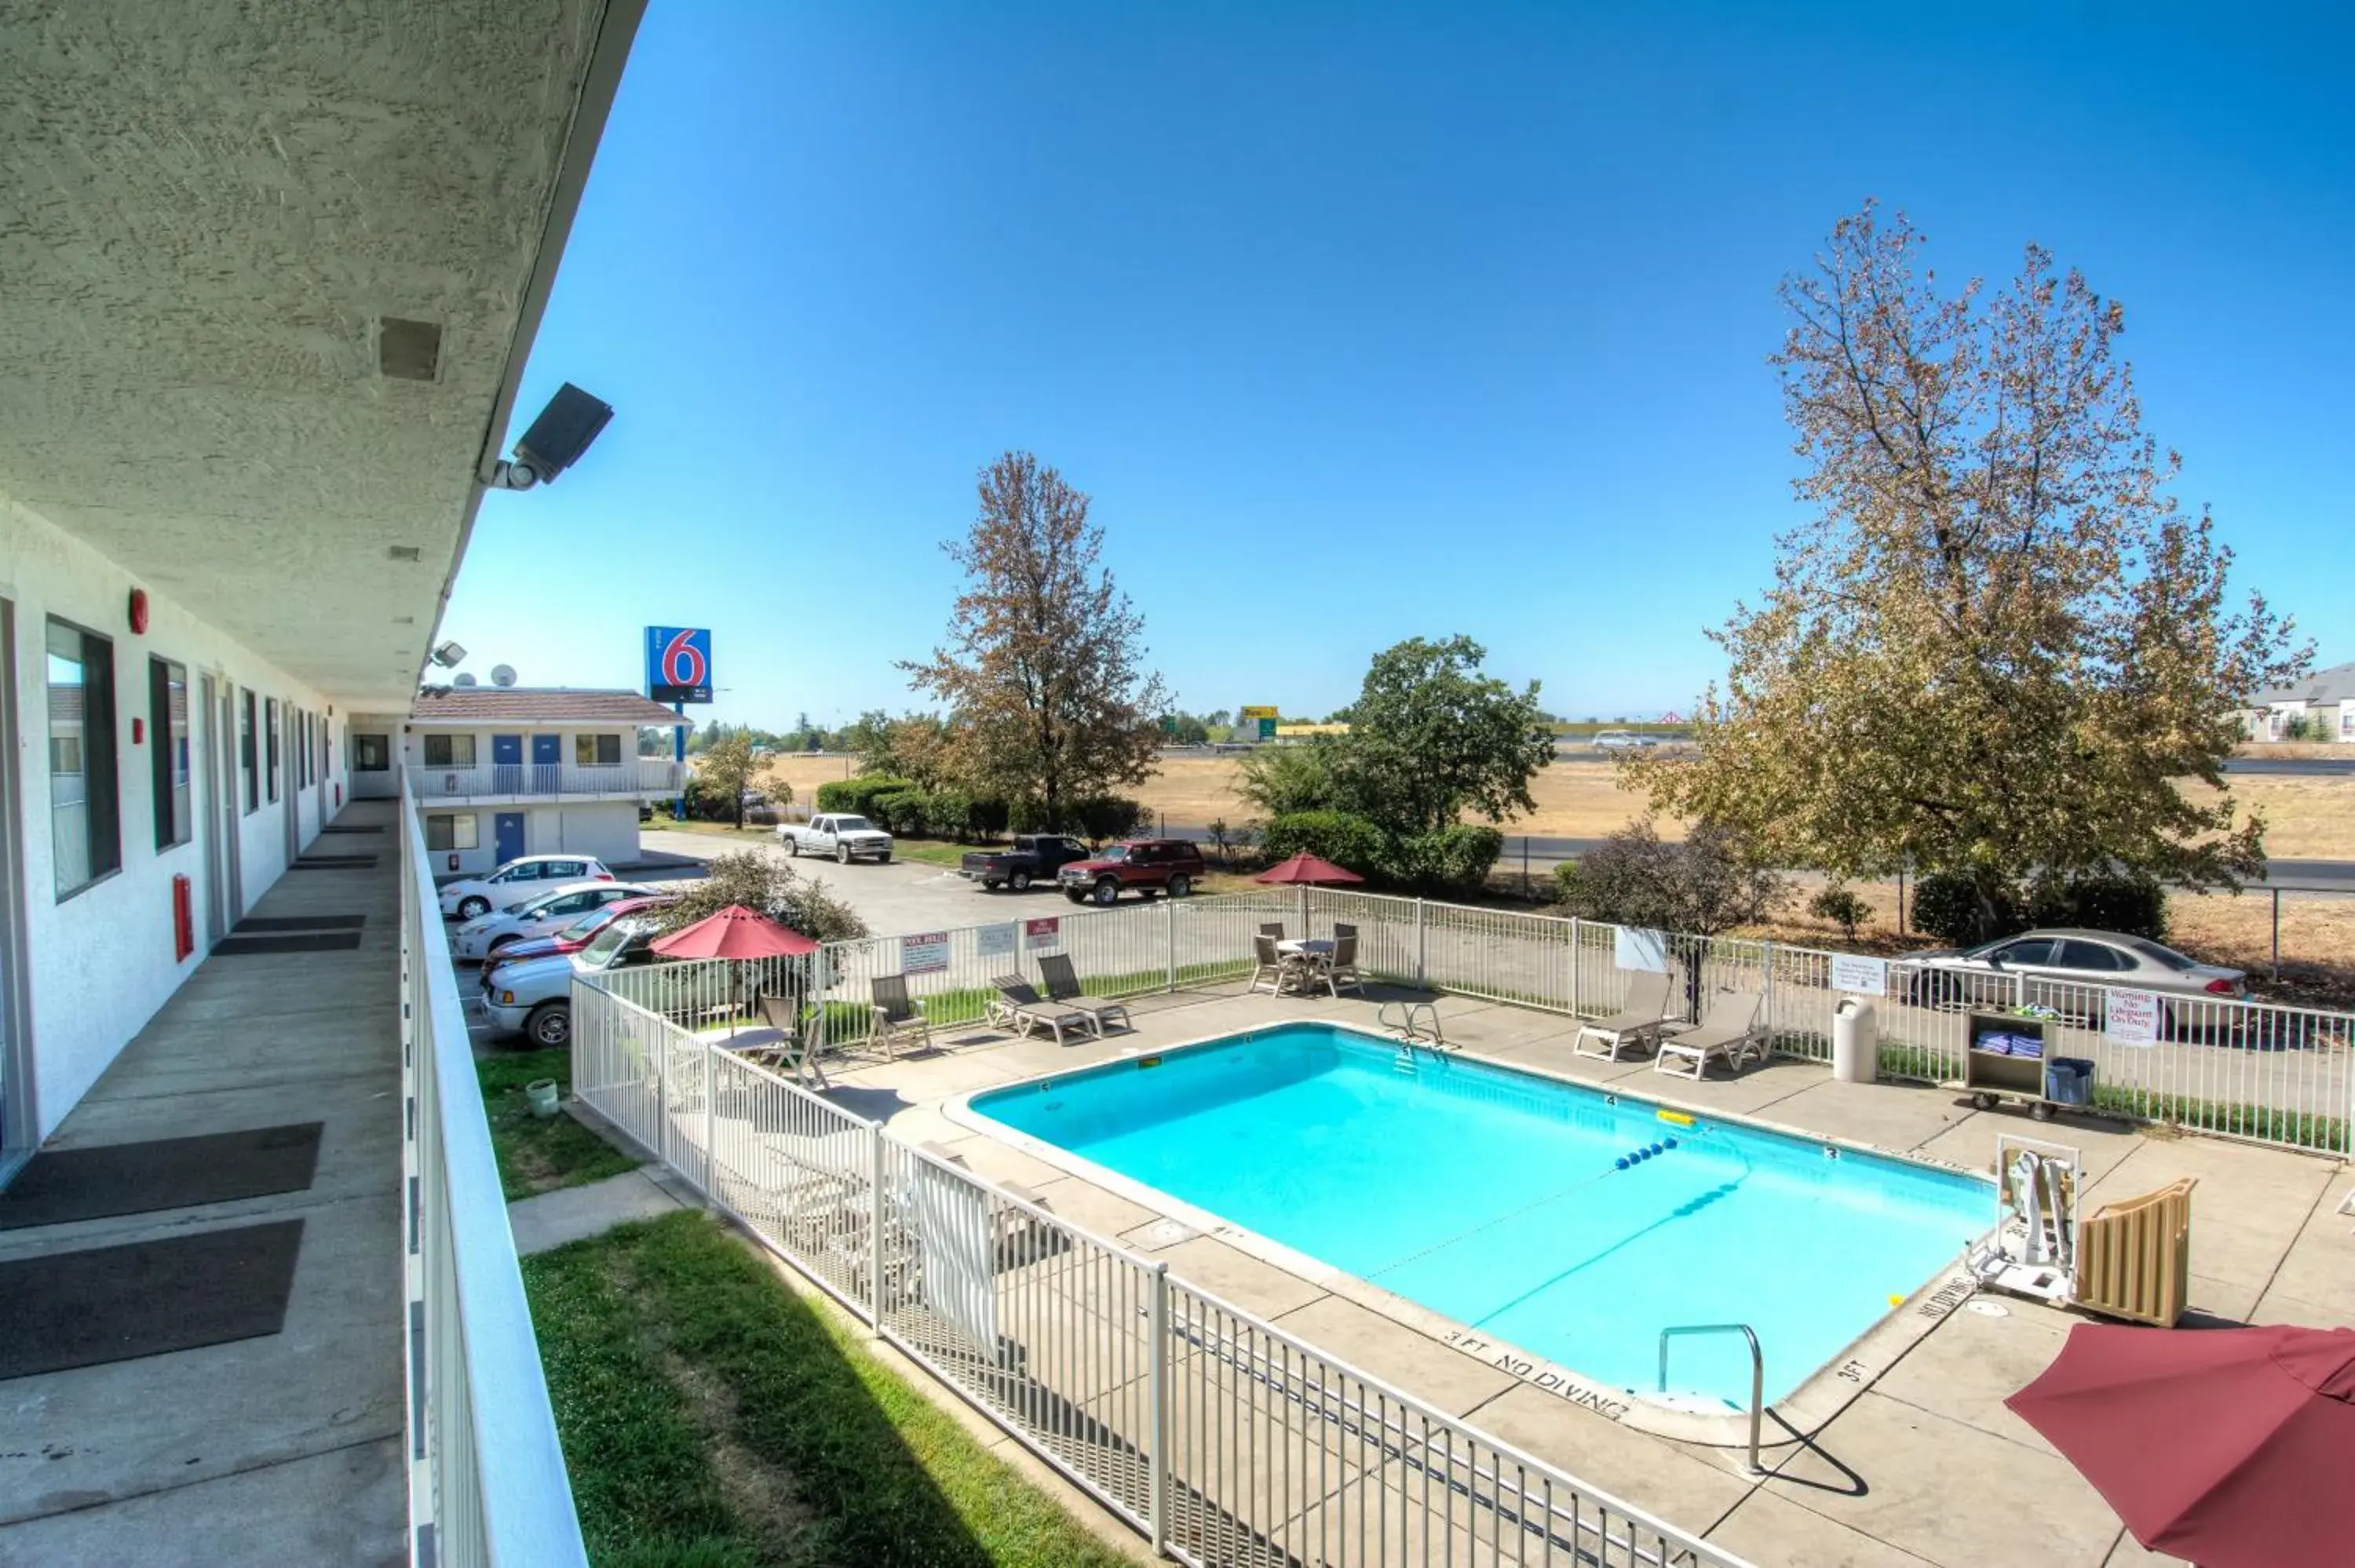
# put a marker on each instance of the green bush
(1102, 817)
(2134, 905)
(1842, 906)
(857, 795)
(1346, 840)
(906, 812)
(705, 804)
(1453, 861)
(1945, 904)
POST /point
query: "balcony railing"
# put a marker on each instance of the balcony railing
(640, 777)
(486, 1477)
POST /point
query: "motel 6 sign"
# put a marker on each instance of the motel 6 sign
(678, 663)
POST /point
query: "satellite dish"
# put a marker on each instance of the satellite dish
(463, 681)
(503, 675)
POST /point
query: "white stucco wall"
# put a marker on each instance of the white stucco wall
(606, 829)
(100, 960)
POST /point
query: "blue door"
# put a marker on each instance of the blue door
(507, 835)
(547, 765)
(507, 765)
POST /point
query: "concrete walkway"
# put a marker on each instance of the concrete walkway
(575, 1214)
(287, 1448)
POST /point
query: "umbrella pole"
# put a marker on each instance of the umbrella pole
(1306, 930)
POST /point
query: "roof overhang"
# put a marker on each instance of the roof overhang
(273, 279)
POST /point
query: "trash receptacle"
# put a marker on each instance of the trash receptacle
(1856, 1041)
(2069, 1080)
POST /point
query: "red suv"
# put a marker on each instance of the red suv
(1147, 865)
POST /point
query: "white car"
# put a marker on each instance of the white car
(833, 832)
(534, 998)
(517, 881)
(535, 916)
(1622, 740)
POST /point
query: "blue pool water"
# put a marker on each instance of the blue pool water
(1496, 1198)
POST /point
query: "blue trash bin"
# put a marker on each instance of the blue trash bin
(2069, 1080)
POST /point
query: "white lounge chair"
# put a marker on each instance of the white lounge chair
(1019, 1007)
(1728, 1032)
(1639, 1021)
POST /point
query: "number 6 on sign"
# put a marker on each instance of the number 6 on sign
(679, 664)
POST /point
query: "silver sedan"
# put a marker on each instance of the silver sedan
(2063, 968)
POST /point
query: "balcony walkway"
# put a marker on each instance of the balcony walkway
(284, 1449)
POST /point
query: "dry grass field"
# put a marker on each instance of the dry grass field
(2308, 818)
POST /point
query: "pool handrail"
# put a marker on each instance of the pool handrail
(1757, 1374)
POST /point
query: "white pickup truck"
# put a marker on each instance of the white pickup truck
(845, 838)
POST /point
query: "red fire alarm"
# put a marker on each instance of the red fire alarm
(139, 611)
(138, 731)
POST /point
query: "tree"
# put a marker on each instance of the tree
(1043, 668)
(1712, 882)
(760, 881)
(725, 768)
(1999, 645)
(1278, 780)
(1430, 737)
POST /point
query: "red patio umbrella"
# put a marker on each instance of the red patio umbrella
(735, 932)
(2227, 1446)
(1308, 871)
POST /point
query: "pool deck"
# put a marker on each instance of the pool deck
(1916, 1461)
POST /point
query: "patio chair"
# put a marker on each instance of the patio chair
(1276, 973)
(1727, 1032)
(1638, 1023)
(1338, 967)
(790, 1048)
(1019, 1007)
(1343, 928)
(2134, 1257)
(895, 1014)
(1272, 930)
(1063, 986)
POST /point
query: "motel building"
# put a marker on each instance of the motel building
(495, 772)
(268, 282)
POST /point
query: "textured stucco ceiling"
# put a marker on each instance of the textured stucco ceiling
(204, 207)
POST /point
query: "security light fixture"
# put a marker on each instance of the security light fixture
(556, 440)
(449, 655)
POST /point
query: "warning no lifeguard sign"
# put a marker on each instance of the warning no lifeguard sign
(2130, 1018)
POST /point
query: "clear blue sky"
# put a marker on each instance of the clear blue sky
(1360, 322)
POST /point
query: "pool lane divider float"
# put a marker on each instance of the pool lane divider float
(1648, 1151)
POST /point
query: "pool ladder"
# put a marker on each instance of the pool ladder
(1405, 1018)
(1757, 1374)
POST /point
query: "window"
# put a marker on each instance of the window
(2076, 955)
(564, 868)
(452, 830)
(83, 811)
(2029, 950)
(303, 749)
(449, 751)
(168, 740)
(245, 756)
(270, 740)
(372, 753)
(597, 750)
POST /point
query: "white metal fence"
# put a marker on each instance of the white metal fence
(487, 1479)
(1223, 1439)
(2275, 1074)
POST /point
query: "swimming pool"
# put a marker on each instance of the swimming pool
(1518, 1205)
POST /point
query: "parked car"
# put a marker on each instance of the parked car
(1032, 857)
(1144, 865)
(534, 998)
(537, 915)
(831, 832)
(2056, 967)
(575, 937)
(517, 881)
(1622, 740)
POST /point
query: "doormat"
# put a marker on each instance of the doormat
(335, 863)
(354, 828)
(300, 942)
(118, 1303)
(105, 1179)
(252, 923)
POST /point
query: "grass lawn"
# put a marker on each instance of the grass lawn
(540, 1155)
(712, 1418)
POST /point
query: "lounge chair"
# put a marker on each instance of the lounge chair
(1063, 986)
(1639, 1022)
(895, 1013)
(2134, 1258)
(1727, 1032)
(1019, 1007)
(1276, 973)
